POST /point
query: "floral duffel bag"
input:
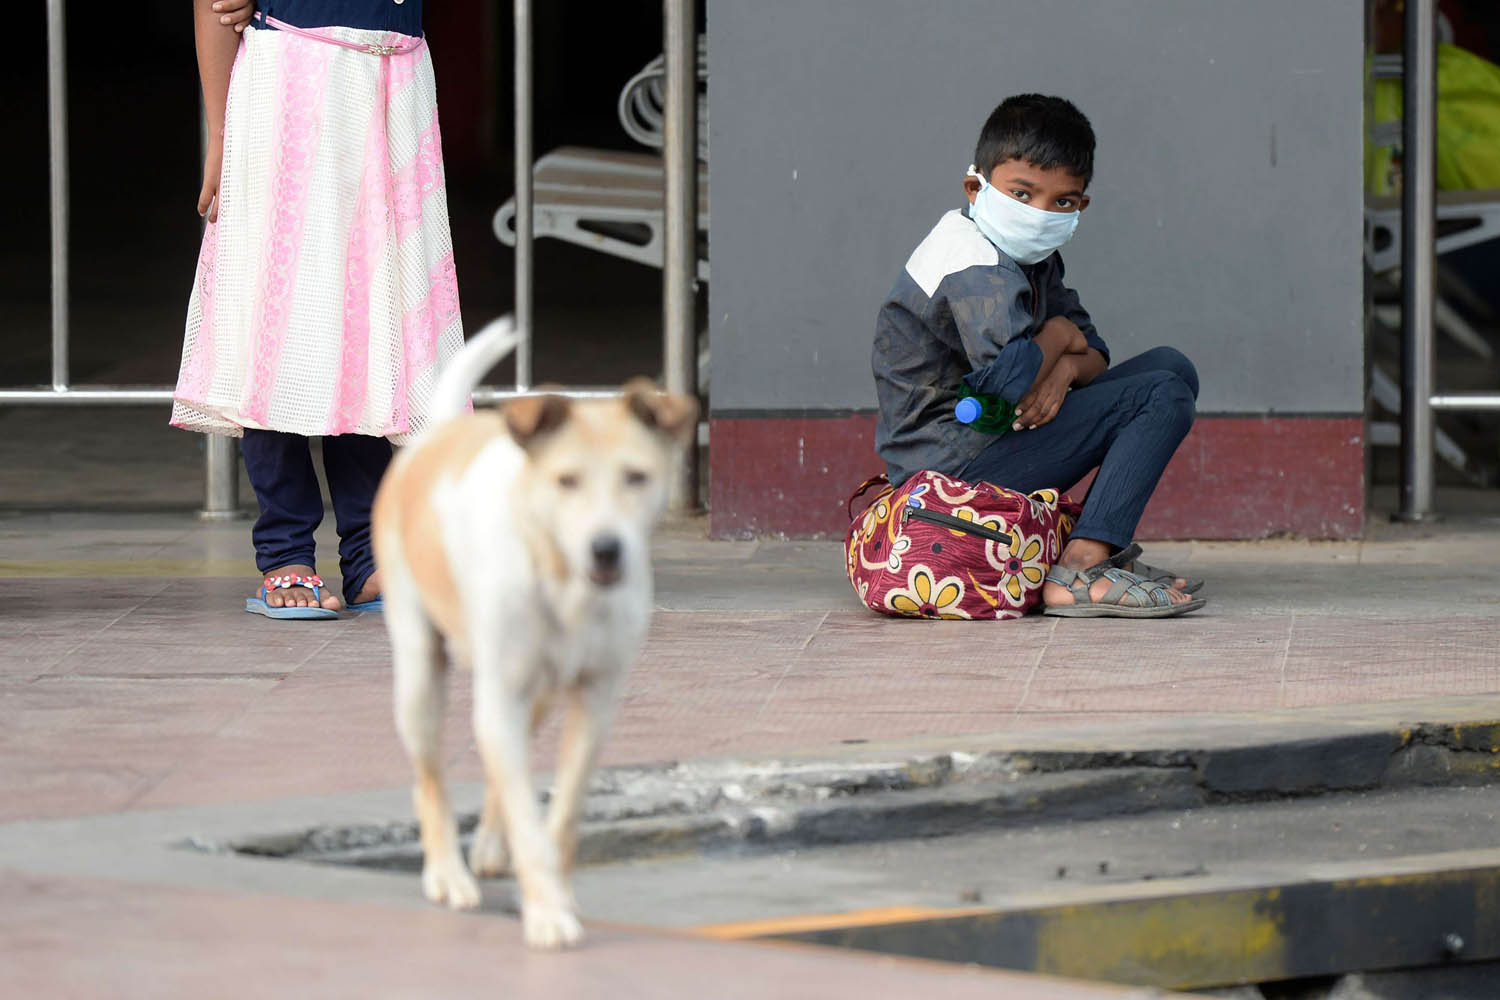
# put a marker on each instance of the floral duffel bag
(940, 548)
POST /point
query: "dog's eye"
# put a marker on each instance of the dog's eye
(635, 477)
(569, 480)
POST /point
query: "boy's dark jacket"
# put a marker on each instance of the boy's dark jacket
(960, 309)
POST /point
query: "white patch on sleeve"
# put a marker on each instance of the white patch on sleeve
(954, 244)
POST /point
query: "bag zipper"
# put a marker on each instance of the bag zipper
(955, 523)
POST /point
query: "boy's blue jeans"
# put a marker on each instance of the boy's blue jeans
(291, 505)
(1128, 422)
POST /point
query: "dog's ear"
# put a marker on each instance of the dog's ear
(667, 413)
(530, 418)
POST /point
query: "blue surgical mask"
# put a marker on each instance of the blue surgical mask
(1025, 234)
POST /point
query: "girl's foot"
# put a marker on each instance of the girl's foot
(370, 591)
(298, 597)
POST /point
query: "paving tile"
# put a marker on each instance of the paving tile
(784, 731)
(1336, 660)
(73, 747)
(903, 685)
(815, 582)
(734, 648)
(803, 731)
(863, 666)
(1272, 552)
(197, 628)
(665, 732)
(43, 621)
(328, 727)
(90, 545)
(1188, 664)
(1455, 552)
(68, 602)
(853, 639)
(1044, 721)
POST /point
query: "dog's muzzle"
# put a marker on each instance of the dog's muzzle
(608, 554)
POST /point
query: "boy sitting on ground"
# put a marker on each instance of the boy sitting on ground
(981, 303)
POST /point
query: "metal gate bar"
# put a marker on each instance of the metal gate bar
(1418, 260)
(1419, 400)
(525, 280)
(680, 206)
(57, 147)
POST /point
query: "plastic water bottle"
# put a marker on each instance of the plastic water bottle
(986, 414)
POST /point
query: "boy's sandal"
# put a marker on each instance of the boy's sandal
(258, 605)
(1130, 556)
(1131, 596)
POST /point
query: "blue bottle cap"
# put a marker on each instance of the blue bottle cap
(967, 410)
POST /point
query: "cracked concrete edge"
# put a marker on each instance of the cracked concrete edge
(1449, 735)
(925, 811)
(894, 792)
(1005, 787)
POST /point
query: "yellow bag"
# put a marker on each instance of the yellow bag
(1468, 125)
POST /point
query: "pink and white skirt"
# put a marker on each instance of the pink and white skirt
(326, 299)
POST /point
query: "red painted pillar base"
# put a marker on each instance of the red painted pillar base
(1233, 477)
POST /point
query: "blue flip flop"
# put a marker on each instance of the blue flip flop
(258, 605)
(376, 605)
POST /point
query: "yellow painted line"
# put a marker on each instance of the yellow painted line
(96, 568)
(808, 922)
(1185, 942)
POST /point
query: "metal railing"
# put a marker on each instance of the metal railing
(680, 258)
(221, 467)
(1419, 399)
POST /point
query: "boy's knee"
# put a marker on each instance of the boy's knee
(1173, 361)
(1176, 396)
(1177, 363)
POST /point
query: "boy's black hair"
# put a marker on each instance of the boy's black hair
(1044, 131)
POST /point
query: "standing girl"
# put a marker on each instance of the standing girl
(326, 300)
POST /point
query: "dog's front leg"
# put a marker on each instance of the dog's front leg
(591, 709)
(502, 717)
(421, 679)
(488, 855)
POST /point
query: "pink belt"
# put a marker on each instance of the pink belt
(374, 50)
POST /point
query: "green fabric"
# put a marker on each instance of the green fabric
(1468, 125)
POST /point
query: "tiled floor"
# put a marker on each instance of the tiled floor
(131, 679)
(131, 689)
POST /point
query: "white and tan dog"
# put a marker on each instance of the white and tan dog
(522, 538)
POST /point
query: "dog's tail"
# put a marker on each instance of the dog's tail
(469, 366)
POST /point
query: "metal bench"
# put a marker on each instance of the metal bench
(605, 200)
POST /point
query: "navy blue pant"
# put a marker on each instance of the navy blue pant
(291, 505)
(1127, 422)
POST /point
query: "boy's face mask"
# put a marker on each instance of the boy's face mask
(1024, 233)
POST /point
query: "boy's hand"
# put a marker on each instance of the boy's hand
(1074, 342)
(236, 13)
(1045, 398)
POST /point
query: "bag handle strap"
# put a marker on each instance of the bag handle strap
(864, 488)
